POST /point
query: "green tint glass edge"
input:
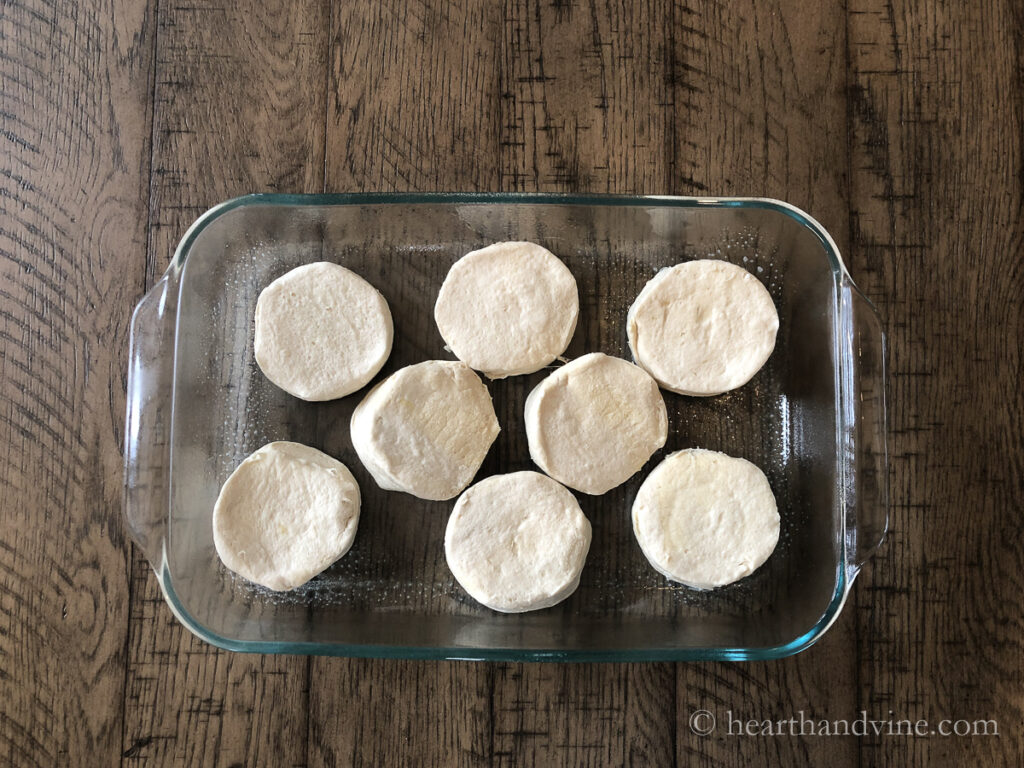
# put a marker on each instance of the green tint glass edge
(793, 647)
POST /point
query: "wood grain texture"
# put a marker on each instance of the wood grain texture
(586, 96)
(411, 100)
(897, 123)
(228, 119)
(373, 712)
(74, 169)
(937, 162)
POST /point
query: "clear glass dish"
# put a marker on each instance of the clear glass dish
(813, 419)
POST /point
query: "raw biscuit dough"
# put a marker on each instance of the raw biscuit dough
(285, 514)
(425, 429)
(517, 542)
(508, 309)
(322, 331)
(594, 422)
(705, 519)
(702, 327)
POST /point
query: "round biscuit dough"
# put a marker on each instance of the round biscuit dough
(425, 429)
(703, 327)
(508, 309)
(322, 331)
(517, 542)
(285, 514)
(594, 422)
(706, 519)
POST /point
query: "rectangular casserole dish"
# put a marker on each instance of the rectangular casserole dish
(813, 419)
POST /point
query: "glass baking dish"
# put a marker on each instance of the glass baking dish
(813, 419)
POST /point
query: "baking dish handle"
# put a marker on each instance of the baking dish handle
(147, 424)
(864, 405)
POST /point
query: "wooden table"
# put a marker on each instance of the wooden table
(897, 123)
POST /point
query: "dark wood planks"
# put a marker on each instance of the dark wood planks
(382, 712)
(897, 124)
(74, 163)
(937, 167)
(413, 90)
(239, 107)
(584, 714)
(586, 97)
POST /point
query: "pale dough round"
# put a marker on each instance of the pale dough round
(517, 542)
(594, 422)
(425, 429)
(702, 327)
(285, 514)
(322, 331)
(705, 519)
(508, 309)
